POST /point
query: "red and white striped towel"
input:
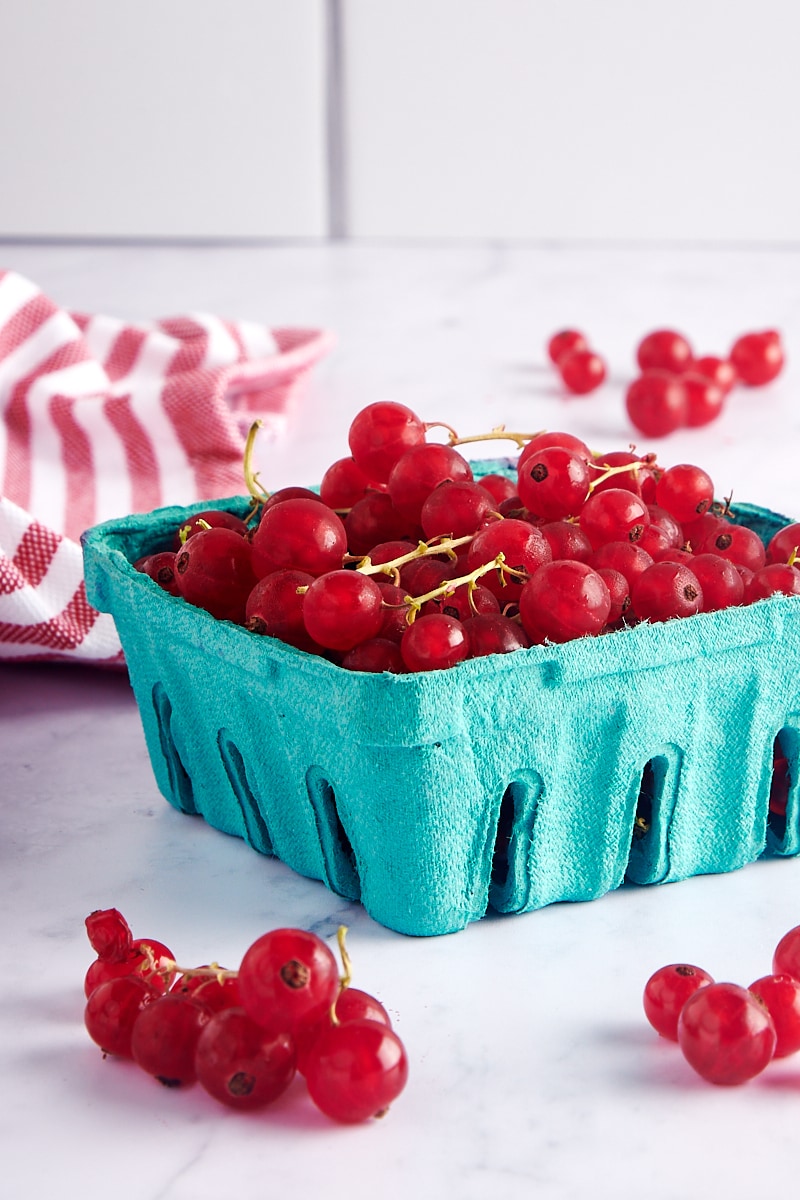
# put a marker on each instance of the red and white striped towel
(99, 418)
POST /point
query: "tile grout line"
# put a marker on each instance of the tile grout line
(335, 137)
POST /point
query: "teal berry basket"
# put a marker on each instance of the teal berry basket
(506, 783)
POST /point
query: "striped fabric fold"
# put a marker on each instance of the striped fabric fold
(99, 418)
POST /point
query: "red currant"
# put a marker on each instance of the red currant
(565, 342)
(657, 403)
(725, 1034)
(379, 436)
(564, 600)
(757, 357)
(287, 977)
(780, 995)
(111, 1010)
(242, 1065)
(356, 1070)
(685, 491)
(299, 535)
(664, 350)
(165, 1035)
(666, 590)
(433, 643)
(582, 371)
(666, 992)
(343, 608)
(553, 483)
(786, 959)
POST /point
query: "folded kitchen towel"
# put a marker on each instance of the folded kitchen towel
(99, 418)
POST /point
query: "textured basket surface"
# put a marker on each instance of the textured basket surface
(510, 782)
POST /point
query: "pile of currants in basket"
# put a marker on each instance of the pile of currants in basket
(245, 1034)
(405, 562)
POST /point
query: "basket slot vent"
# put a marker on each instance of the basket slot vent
(782, 814)
(179, 779)
(510, 871)
(648, 859)
(256, 829)
(339, 860)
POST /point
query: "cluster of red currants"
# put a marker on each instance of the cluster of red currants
(243, 1035)
(404, 562)
(674, 388)
(726, 1032)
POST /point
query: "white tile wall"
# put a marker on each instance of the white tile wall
(622, 119)
(165, 118)
(626, 120)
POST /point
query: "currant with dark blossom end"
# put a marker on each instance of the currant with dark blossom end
(685, 491)
(161, 569)
(666, 590)
(214, 571)
(553, 483)
(286, 978)
(615, 515)
(242, 1065)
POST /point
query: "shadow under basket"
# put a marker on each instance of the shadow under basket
(509, 782)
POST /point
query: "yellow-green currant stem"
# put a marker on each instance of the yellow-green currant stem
(444, 545)
(609, 472)
(792, 559)
(415, 603)
(499, 433)
(251, 481)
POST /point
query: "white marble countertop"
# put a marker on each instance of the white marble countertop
(533, 1070)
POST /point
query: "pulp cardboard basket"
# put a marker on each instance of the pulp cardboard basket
(508, 782)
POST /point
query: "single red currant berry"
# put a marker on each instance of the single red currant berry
(664, 350)
(456, 509)
(111, 1010)
(553, 483)
(786, 959)
(615, 515)
(620, 592)
(343, 608)
(287, 977)
(772, 580)
(719, 371)
(351, 1005)
(626, 557)
(704, 398)
(434, 643)
(165, 1036)
(109, 934)
(213, 992)
(356, 1070)
(737, 543)
(419, 471)
(500, 487)
(147, 958)
(666, 590)
(523, 546)
(784, 544)
(242, 1065)
(780, 995)
(214, 571)
(380, 434)
(343, 484)
(492, 633)
(161, 569)
(685, 491)
(375, 655)
(582, 371)
(564, 600)
(552, 437)
(726, 1034)
(374, 519)
(720, 582)
(657, 404)
(564, 342)
(757, 357)
(216, 518)
(299, 535)
(566, 539)
(666, 992)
